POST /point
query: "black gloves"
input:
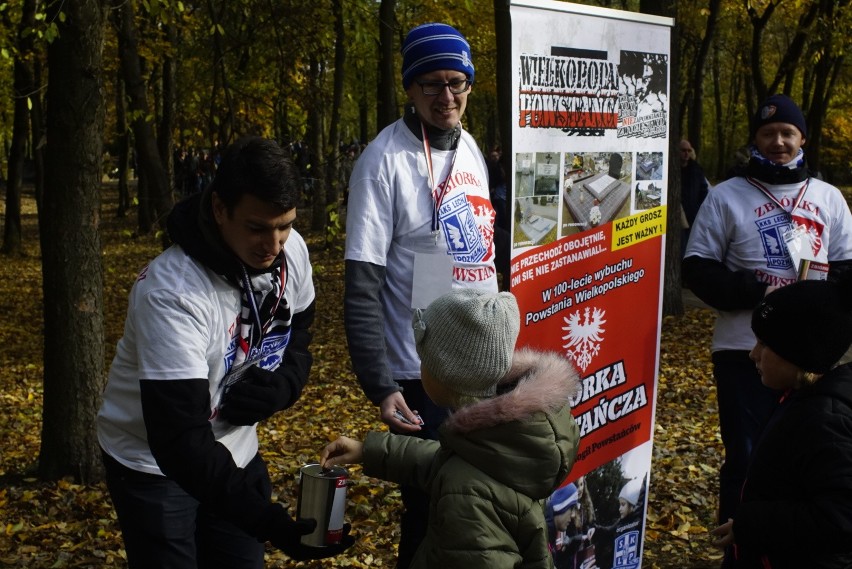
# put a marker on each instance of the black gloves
(298, 552)
(257, 396)
(285, 533)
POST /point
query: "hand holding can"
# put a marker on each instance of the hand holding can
(322, 497)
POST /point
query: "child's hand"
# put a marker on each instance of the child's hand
(342, 451)
(725, 533)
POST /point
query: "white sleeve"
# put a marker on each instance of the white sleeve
(300, 283)
(172, 336)
(707, 237)
(369, 214)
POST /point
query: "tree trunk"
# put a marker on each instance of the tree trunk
(818, 88)
(14, 179)
(333, 163)
(227, 128)
(313, 138)
(363, 115)
(167, 118)
(696, 108)
(721, 146)
(123, 143)
(386, 106)
(23, 87)
(71, 250)
(147, 154)
(503, 34)
(672, 292)
(38, 134)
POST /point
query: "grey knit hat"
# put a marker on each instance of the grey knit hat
(466, 339)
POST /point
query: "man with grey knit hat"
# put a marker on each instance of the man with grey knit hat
(419, 224)
(509, 443)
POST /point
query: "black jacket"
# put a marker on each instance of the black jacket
(796, 508)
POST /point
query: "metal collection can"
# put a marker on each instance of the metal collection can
(322, 496)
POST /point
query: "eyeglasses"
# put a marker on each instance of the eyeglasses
(457, 86)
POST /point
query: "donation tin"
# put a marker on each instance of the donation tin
(322, 496)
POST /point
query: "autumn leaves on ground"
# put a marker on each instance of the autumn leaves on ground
(60, 524)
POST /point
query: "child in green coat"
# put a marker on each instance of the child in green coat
(510, 442)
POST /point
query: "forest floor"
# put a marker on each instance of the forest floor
(63, 524)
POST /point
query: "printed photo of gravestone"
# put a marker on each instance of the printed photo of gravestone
(595, 189)
(647, 195)
(536, 204)
(649, 166)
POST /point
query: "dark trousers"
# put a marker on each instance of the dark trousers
(745, 405)
(165, 527)
(415, 517)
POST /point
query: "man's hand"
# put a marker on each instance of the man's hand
(396, 402)
(260, 394)
(285, 533)
(725, 534)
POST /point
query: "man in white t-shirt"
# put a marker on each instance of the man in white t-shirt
(419, 223)
(769, 226)
(216, 339)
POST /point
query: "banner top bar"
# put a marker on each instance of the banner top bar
(594, 11)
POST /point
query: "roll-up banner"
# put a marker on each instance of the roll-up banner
(589, 177)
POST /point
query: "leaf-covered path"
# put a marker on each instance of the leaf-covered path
(62, 524)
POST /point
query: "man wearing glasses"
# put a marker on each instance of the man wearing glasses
(419, 223)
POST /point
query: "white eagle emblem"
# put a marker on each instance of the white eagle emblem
(584, 335)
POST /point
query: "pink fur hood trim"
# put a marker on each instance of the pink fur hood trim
(546, 382)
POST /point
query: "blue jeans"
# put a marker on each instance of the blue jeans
(165, 527)
(415, 517)
(745, 405)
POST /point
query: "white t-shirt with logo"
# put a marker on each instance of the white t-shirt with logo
(183, 323)
(389, 223)
(744, 228)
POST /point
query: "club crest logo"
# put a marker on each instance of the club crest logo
(468, 229)
(767, 111)
(772, 238)
(627, 551)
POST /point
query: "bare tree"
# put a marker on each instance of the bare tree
(24, 87)
(696, 106)
(153, 175)
(333, 160)
(386, 105)
(122, 146)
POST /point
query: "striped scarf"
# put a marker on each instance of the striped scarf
(264, 308)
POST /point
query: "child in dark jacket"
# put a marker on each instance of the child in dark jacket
(510, 442)
(626, 533)
(796, 508)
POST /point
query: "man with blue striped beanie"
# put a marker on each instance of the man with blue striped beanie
(432, 47)
(419, 223)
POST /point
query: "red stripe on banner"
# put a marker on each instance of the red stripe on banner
(566, 119)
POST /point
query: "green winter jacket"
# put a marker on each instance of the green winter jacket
(496, 462)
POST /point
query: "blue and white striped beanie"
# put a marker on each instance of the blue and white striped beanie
(564, 499)
(433, 47)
